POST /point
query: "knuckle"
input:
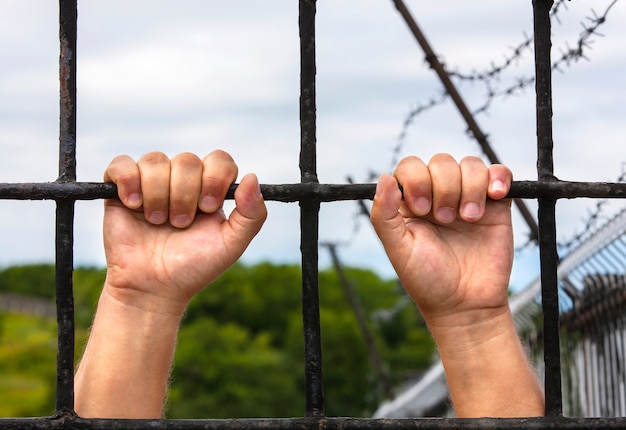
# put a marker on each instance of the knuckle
(155, 157)
(120, 167)
(441, 158)
(408, 162)
(187, 160)
(220, 155)
(472, 160)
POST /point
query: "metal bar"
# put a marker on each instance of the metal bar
(289, 193)
(456, 97)
(67, 79)
(312, 423)
(309, 215)
(64, 241)
(547, 225)
(65, 306)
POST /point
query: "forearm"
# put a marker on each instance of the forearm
(125, 368)
(487, 369)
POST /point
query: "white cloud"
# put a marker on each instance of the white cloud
(195, 75)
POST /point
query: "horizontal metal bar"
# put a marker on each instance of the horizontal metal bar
(69, 190)
(314, 423)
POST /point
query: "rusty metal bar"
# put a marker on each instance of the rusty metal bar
(64, 242)
(67, 80)
(309, 214)
(313, 423)
(456, 97)
(547, 207)
(289, 193)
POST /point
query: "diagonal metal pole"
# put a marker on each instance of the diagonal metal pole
(472, 125)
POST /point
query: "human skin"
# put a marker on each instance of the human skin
(449, 238)
(165, 240)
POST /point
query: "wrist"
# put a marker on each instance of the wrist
(138, 310)
(487, 368)
(143, 301)
(470, 328)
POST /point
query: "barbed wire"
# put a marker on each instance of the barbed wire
(595, 216)
(568, 56)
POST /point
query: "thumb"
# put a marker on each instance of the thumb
(385, 216)
(249, 214)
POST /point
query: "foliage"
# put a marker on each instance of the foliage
(27, 365)
(240, 349)
(263, 302)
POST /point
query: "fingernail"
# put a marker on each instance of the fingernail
(157, 217)
(208, 204)
(181, 221)
(422, 205)
(471, 211)
(498, 185)
(446, 215)
(134, 200)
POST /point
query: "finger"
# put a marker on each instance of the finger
(185, 185)
(474, 182)
(249, 214)
(219, 172)
(386, 219)
(413, 175)
(123, 172)
(500, 178)
(154, 169)
(446, 184)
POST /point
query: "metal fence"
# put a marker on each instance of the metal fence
(65, 191)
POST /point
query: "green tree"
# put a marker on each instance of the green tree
(224, 370)
(240, 351)
(27, 366)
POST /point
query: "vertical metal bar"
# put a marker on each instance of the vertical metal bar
(547, 224)
(309, 214)
(65, 306)
(65, 209)
(67, 79)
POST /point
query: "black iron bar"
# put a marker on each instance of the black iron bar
(289, 193)
(309, 214)
(547, 207)
(312, 423)
(67, 94)
(456, 97)
(64, 241)
(64, 265)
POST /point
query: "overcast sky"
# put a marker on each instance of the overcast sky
(196, 75)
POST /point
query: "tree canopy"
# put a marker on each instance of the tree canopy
(240, 348)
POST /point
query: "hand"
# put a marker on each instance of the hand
(167, 237)
(450, 238)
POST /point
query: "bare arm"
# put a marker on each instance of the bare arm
(450, 242)
(165, 240)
